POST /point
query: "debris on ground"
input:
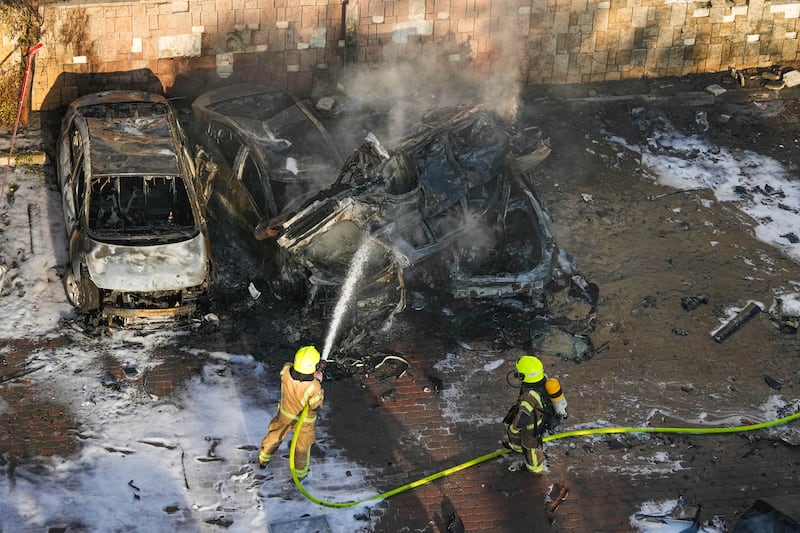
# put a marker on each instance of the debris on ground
(254, 293)
(454, 522)
(436, 382)
(553, 340)
(400, 368)
(785, 312)
(616, 444)
(690, 303)
(671, 515)
(19, 374)
(557, 494)
(773, 78)
(327, 105)
(742, 317)
(791, 237)
(762, 516)
(791, 78)
(579, 287)
(772, 382)
(789, 324)
(701, 118)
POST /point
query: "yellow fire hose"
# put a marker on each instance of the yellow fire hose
(497, 453)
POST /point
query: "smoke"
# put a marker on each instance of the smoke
(457, 73)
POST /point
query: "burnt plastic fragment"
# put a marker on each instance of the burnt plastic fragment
(437, 382)
(773, 383)
(690, 303)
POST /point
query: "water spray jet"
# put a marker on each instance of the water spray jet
(346, 295)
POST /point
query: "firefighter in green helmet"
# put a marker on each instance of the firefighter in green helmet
(540, 405)
(301, 385)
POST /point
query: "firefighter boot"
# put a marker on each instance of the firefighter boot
(263, 460)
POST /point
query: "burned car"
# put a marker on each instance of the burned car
(449, 209)
(261, 151)
(138, 250)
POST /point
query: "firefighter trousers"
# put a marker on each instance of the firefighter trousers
(277, 430)
(528, 445)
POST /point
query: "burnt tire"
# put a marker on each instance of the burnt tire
(84, 294)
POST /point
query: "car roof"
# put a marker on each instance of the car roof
(116, 96)
(141, 146)
(124, 142)
(227, 101)
(249, 107)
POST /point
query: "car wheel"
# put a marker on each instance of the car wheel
(84, 294)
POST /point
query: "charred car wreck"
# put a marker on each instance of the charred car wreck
(138, 251)
(261, 151)
(448, 209)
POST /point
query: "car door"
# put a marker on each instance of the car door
(215, 164)
(231, 179)
(248, 190)
(70, 162)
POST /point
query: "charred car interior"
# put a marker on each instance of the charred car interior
(138, 250)
(141, 205)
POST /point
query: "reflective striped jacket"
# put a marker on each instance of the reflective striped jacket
(296, 394)
(531, 411)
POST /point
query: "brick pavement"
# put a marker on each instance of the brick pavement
(32, 422)
(407, 438)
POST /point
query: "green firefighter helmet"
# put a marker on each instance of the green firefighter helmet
(530, 369)
(306, 359)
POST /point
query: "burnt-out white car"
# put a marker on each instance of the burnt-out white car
(449, 208)
(138, 246)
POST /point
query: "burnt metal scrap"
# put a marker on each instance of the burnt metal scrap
(683, 517)
(558, 493)
(692, 302)
(764, 516)
(346, 365)
(447, 210)
(580, 287)
(732, 326)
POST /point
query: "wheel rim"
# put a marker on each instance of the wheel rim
(72, 288)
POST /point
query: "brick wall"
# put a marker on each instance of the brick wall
(182, 47)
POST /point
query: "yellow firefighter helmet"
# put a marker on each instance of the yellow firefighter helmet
(530, 368)
(306, 359)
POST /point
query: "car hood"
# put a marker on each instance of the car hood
(159, 267)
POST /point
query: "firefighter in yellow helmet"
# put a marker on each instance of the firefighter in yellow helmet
(301, 385)
(539, 406)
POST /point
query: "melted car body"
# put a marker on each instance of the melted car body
(449, 206)
(138, 250)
